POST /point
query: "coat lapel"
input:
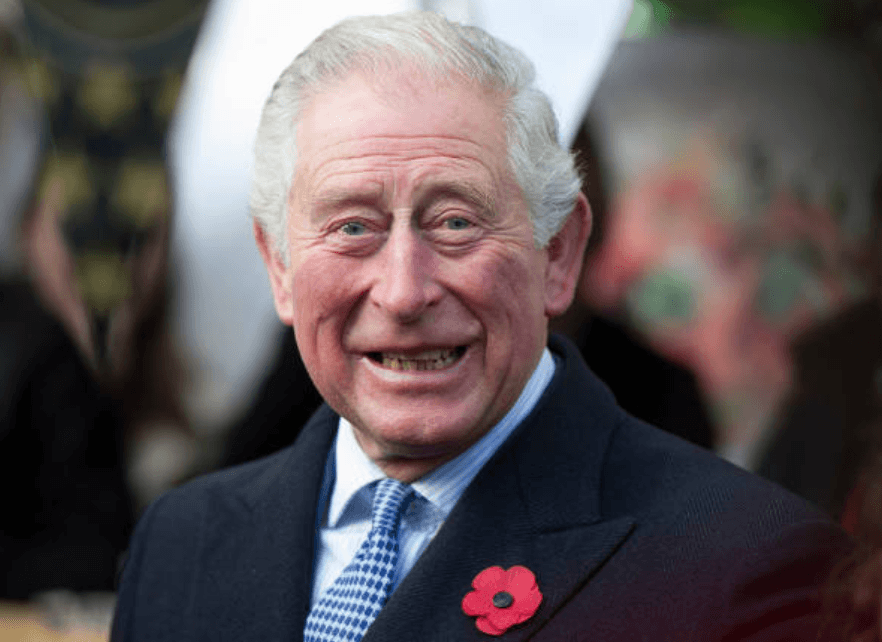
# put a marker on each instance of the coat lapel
(535, 504)
(276, 562)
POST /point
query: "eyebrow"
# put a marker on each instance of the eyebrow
(338, 198)
(458, 191)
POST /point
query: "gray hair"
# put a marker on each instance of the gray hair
(545, 172)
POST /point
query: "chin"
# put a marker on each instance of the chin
(414, 436)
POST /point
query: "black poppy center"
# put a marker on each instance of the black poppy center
(503, 600)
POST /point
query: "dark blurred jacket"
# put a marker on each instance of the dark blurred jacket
(827, 430)
(67, 513)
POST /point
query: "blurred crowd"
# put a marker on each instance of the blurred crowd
(731, 294)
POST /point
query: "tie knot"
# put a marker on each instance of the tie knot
(391, 499)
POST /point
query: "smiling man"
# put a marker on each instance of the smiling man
(468, 477)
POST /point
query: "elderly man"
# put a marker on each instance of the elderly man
(468, 478)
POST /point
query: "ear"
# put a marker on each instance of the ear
(565, 251)
(279, 274)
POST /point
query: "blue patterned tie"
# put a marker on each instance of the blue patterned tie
(348, 607)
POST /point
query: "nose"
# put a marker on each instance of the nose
(405, 287)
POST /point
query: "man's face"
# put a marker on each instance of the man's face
(418, 299)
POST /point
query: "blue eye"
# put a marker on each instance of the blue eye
(457, 223)
(353, 228)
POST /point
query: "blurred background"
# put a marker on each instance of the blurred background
(731, 153)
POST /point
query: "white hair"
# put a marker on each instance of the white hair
(545, 172)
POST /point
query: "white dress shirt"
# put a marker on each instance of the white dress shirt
(349, 473)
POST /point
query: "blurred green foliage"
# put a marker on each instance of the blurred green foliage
(771, 18)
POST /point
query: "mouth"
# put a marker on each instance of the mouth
(418, 361)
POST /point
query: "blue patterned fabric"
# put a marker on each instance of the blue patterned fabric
(355, 598)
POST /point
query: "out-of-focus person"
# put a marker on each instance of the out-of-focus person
(853, 609)
(646, 383)
(88, 375)
(740, 171)
(68, 510)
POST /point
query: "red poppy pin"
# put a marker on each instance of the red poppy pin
(502, 599)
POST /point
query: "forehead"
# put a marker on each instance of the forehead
(404, 109)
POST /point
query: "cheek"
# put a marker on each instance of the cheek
(515, 282)
(317, 308)
(321, 301)
(507, 291)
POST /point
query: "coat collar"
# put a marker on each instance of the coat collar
(535, 503)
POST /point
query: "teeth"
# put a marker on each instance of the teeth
(429, 360)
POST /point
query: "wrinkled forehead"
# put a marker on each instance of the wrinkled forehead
(396, 78)
(401, 100)
(407, 132)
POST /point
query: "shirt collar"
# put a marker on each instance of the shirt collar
(443, 486)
